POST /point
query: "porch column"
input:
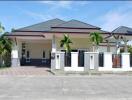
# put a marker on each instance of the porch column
(125, 59)
(86, 61)
(126, 49)
(53, 44)
(53, 54)
(107, 61)
(15, 62)
(108, 46)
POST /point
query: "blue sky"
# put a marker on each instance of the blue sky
(105, 14)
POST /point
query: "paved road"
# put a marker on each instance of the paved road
(113, 87)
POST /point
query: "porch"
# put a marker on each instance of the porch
(31, 51)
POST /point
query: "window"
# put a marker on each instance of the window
(23, 50)
(28, 54)
(43, 54)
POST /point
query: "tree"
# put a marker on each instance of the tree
(1, 28)
(96, 38)
(118, 39)
(65, 42)
(5, 46)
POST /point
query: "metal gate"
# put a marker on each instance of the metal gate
(81, 58)
(68, 59)
(116, 60)
(101, 59)
(130, 60)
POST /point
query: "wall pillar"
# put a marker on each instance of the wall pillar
(57, 60)
(86, 61)
(15, 61)
(74, 59)
(107, 61)
(91, 61)
(125, 59)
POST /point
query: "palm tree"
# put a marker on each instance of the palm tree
(65, 42)
(5, 48)
(1, 28)
(96, 38)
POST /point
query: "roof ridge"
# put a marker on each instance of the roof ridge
(39, 23)
(121, 27)
(84, 23)
(116, 28)
(77, 21)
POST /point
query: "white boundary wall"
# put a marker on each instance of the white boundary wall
(74, 63)
(125, 63)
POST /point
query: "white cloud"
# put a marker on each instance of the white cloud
(64, 4)
(43, 16)
(54, 9)
(121, 16)
(38, 15)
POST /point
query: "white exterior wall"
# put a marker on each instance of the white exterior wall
(36, 48)
(104, 49)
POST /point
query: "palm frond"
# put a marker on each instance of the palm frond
(65, 42)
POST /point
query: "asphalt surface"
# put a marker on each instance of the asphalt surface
(110, 87)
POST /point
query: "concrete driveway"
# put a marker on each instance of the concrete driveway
(111, 87)
(25, 71)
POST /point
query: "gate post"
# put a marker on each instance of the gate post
(53, 60)
(74, 60)
(125, 61)
(62, 60)
(86, 61)
(91, 61)
(107, 61)
(57, 60)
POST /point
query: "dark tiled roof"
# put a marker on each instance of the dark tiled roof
(58, 26)
(44, 26)
(76, 24)
(123, 30)
(58, 23)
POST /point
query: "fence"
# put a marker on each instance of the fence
(116, 60)
(67, 59)
(81, 59)
(101, 59)
(91, 61)
(130, 60)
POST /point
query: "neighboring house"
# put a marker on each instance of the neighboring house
(34, 44)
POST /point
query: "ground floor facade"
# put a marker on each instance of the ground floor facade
(46, 52)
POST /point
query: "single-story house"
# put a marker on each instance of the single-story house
(39, 44)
